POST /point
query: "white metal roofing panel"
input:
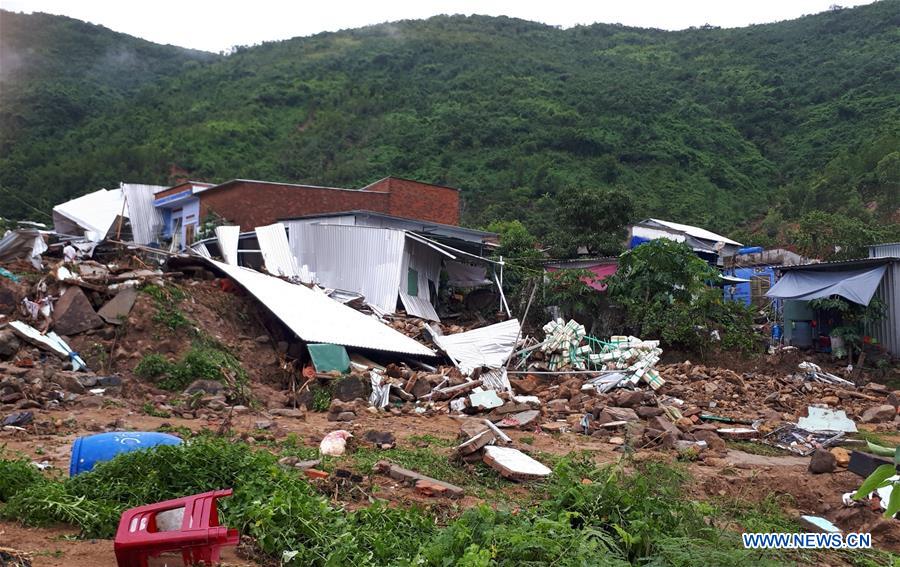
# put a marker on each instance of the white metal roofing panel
(276, 252)
(93, 213)
(354, 258)
(146, 220)
(427, 263)
(696, 232)
(316, 318)
(228, 242)
(488, 346)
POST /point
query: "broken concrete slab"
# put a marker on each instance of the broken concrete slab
(485, 399)
(477, 442)
(117, 309)
(514, 464)
(521, 419)
(824, 419)
(411, 477)
(74, 314)
(737, 433)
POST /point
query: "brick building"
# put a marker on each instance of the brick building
(251, 203)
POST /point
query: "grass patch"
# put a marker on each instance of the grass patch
(878, 438)
(629, 514)
(756, 448)
(202, 361)
(167, 299)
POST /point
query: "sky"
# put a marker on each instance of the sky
(219, 25)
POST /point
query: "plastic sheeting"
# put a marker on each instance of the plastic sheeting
(228, 242)
(485, 347)
(856, 285)
(276, 252)
(316, 318)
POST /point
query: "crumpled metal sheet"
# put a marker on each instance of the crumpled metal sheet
(228, 243)
(485, 347)
(276, 252)
(316, 318)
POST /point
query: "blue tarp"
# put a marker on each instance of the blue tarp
(856, 285)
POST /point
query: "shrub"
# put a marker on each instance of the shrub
(152, 366)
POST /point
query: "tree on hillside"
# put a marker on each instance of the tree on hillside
(590, 219)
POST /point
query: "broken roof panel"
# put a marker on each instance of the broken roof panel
(488, 346)
(228, 242)
(276, 252)
(316, 318)
(91, 215)
(695, 231)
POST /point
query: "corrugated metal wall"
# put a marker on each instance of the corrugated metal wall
(885, 250)
(146, 220)
(887, 331)
(276, 252)
(354, 258)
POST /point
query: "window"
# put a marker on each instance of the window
(412, 283)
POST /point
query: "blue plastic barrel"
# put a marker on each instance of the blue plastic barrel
(93, 449)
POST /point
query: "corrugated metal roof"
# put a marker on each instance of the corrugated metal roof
(228, 242)
(146, 220)
(314, 317)
(887, 250)
(488, 346)
(696, 231)
(93, 214)
(276, 252)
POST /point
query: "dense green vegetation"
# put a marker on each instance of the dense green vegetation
(621, 514)
(729, 128)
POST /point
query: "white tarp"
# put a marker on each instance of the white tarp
(91, 215)
(146, 220)
(488, 346)
(51, 340)
(856, 285)
(316, 318)
(228, 242)
(276, 252)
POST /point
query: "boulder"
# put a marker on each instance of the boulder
(822, 461)
(9, 344)
(74, 314)
(350, 388)
(206, 387)
(878, 414)
(645, 412)
(628, 398)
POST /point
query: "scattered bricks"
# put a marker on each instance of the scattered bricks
(429, 488)
(558, 405)
(477, 442)
(879, 414)
(288, 412)
(628, 398)
(315, 474)
(409, 477)
(411, 384)
(663, 425)
(841, 456)
(737, 433)
(822, 461)
(713, 441)
(529, 385)
(831, 400)
(619, 414)
(648, 411)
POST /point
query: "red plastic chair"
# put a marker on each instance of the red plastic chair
(199, 539)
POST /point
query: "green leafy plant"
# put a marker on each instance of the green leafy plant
(152, 366)
(880, 478)
(167, 299)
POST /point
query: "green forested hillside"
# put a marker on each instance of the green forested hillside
(723, 128)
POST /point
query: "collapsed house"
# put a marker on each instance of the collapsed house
(706, 244)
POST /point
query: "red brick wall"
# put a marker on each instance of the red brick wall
(173, 190)
(251, 204)
(423, 201)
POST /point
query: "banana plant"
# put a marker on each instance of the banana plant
(880, 478)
